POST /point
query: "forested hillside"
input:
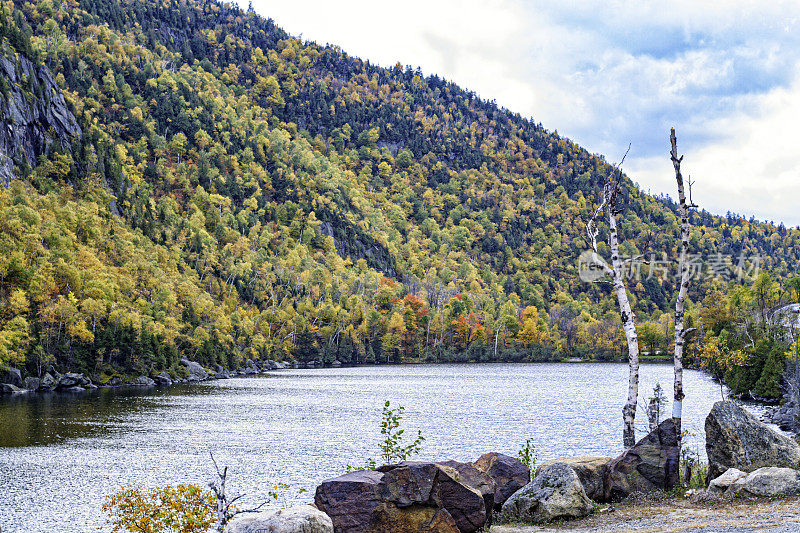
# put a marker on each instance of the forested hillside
(236, 193)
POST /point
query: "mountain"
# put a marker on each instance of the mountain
(227, 192)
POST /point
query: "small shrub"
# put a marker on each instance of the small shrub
(692, 471)
(178, 509)
(528, 455)
(392, 450)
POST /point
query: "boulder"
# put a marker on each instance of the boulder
(735, 439)
(446, 485)
(13, 376)
(721, 484)
(414, 519)
(466, 504)
(47, 382)
(472, 477)
(351, 500)
(72, 389)
(409, 496)
(143, 381)
(786, 416)
(651, 464)
(195, 369)
(31, 383)
(8, 388)
(222, 374)
(770, 481)
(590, 470)
(71, 379)
(299, 519)
(509, 475)
(555, 493)
(162, 379)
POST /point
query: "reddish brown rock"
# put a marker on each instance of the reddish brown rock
(351, 500)
(471, 476)
(508, 473)
(652, 464)
(409, 497)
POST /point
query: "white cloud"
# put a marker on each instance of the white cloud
(606, 73)
(753, 170)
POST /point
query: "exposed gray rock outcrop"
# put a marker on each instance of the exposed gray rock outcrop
(33, 114)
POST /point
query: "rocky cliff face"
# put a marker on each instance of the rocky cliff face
(33, 114)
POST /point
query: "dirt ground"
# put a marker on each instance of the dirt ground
(681, 515)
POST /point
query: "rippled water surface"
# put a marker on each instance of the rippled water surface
(61, 455)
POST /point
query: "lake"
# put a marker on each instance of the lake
(61, 455)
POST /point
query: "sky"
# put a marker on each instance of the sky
(606, 74)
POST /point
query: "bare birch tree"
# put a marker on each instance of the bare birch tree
(608, 208)
(226, 505)
(680, 332)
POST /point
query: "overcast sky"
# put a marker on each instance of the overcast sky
(607, 73)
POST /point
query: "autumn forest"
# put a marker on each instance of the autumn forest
(234, 193)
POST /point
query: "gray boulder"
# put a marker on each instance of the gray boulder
(299, 519)
(770, 481)
(786, 417)
(162, 379)
(71, 379)
(651, 464)
(47, 382)
(724, 483)
(8, 388)
(13, 376)
(590, 470)
(555, 494)
(31, 383)
(735, 439)
(195, 369)
(143, 381)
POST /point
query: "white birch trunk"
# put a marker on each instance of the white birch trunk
(629, 326)
(680, 334)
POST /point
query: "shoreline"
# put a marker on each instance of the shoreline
(143, 382)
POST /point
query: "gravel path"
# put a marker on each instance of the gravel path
(777, 516)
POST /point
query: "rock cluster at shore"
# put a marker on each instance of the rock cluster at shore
(12, 382)
(447, 497)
